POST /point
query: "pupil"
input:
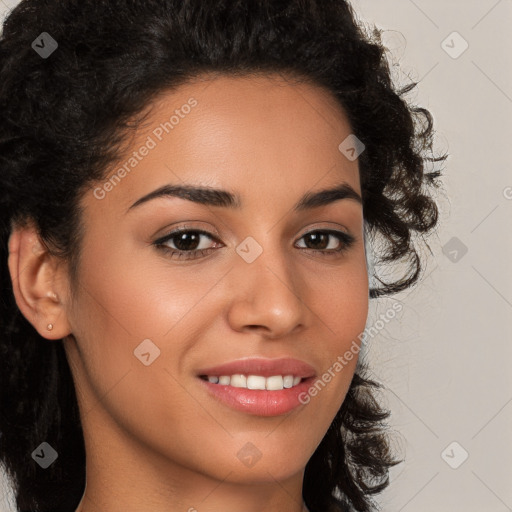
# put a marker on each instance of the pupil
(182, 243)
(315, 237)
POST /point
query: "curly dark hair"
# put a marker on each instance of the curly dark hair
(64, 120)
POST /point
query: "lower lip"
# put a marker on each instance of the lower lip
(260, 402)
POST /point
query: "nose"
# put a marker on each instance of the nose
(267, 297)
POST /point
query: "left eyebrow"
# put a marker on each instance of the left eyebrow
(327, 196)
(222, 198)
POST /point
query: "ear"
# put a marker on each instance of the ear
(40, 283)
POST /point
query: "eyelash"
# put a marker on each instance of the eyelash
(345, 239)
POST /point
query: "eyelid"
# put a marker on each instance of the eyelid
(185, 229)
(320, 226)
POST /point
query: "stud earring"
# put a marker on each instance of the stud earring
(49, 327)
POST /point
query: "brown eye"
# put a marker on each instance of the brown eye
(322, 241)
(184, 243)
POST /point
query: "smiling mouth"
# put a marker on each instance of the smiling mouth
(255, 382)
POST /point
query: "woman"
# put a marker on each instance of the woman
(192, 196)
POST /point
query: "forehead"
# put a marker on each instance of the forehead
(256, 134)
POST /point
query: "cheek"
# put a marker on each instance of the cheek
(121, 304)
(340, 301)
(128, 297)
(340, 298)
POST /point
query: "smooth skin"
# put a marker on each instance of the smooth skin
(155, 439)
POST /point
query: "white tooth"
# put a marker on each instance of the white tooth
(274, 383)
(239, 381)
(255, 382)
(288, 381)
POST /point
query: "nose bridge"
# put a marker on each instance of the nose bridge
(268, 290)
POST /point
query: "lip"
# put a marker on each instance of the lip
(260, 402)
(263, 367)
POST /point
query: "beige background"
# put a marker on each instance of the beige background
(445, 359)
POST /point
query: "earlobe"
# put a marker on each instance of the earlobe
(38, 283)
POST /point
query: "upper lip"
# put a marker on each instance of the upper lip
(261, 366)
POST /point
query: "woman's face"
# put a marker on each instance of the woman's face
(267, 280)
